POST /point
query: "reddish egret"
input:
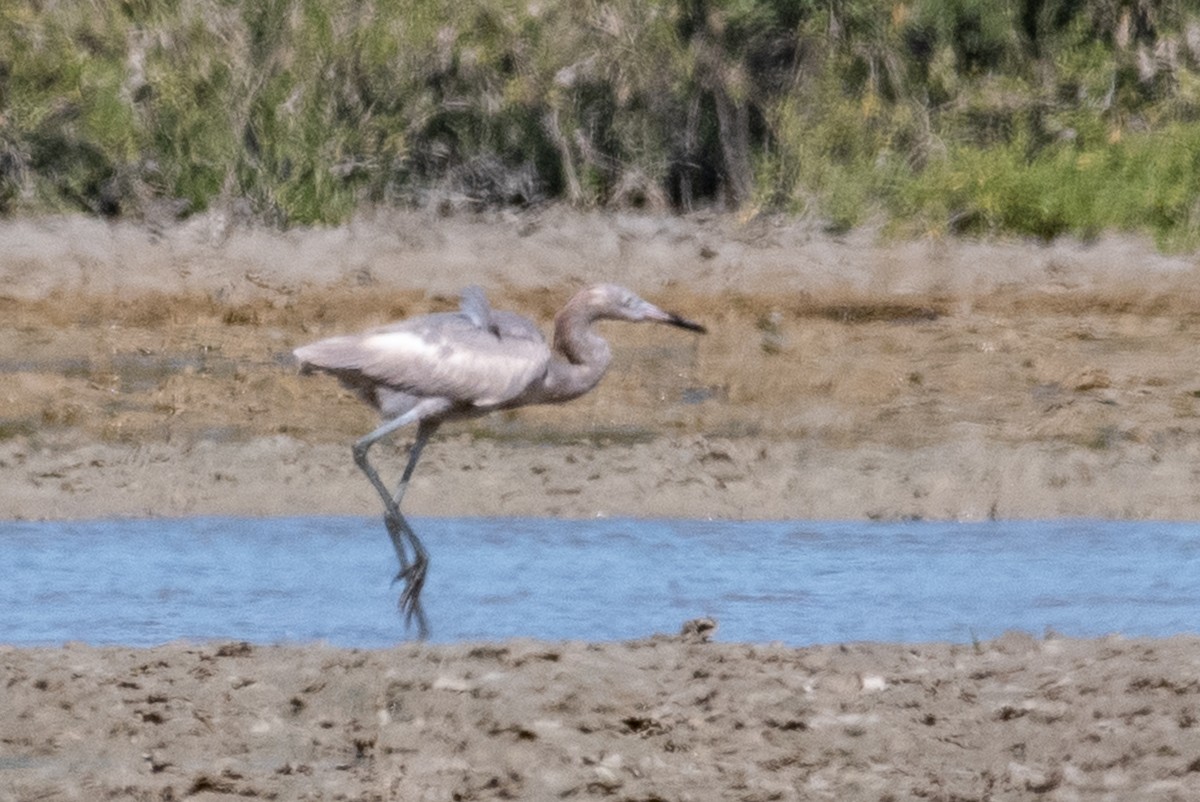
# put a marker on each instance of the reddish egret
(455, 365)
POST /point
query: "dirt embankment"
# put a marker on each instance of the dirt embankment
(147, 373)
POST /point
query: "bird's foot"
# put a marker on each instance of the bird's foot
(410, 597)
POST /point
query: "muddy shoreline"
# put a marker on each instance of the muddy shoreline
(145, 374)
(1014, 718)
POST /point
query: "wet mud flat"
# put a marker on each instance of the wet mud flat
(663, 718)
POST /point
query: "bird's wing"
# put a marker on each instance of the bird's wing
(441, 356)
(474, 304)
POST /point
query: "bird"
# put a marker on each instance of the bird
(448, 366)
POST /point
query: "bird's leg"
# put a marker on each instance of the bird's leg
(424, 431)
(398, 528)
(414, 581)
(390, 510)
(413, 575)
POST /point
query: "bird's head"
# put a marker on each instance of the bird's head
(613, 302)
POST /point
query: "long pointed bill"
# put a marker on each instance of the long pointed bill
(648, 311)
(683, 323)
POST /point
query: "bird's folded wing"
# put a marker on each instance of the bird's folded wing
(442, 356)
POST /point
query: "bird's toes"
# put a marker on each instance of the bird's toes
(412, 611)
(413, 575)
(410, 597)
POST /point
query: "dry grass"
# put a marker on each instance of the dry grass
(1086, 369)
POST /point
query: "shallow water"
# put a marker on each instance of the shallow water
(303, 579)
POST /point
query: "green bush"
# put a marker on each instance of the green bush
(965, 116)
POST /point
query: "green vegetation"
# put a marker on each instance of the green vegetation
(1038, 117)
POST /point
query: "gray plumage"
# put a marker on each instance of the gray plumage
(455, 365)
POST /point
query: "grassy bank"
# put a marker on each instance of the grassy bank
(1038, 117)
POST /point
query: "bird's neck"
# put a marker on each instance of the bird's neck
(579, 356)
